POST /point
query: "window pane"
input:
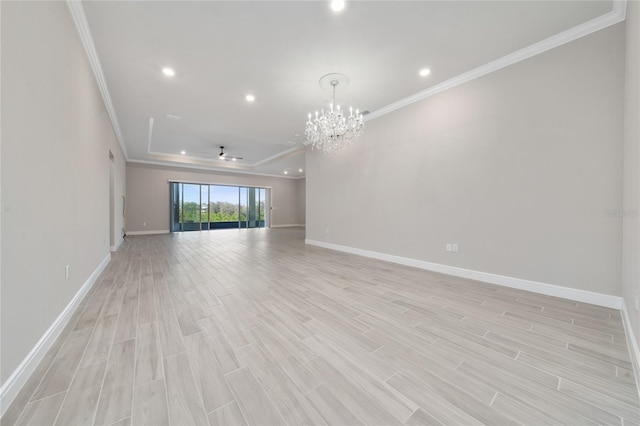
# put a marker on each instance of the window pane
(223, 206)
(191, 207)
(196, 207)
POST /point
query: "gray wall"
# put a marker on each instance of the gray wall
(631, 205)
(148, 194)
(56, 138)
(516, 167)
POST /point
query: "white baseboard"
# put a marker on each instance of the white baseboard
(116, 246)
(584, 296)
(288, 226)
(633, 344)
(18, 378)
(161, 231)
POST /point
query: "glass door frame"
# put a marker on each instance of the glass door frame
(177, 225)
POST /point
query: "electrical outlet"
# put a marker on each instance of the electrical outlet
(66, 272)
(448, 246)
(454, 248)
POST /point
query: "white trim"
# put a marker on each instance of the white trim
(231, 166)
(214, 183)
(290, 225)
(190, 159)
(80, 19)
(117, 245)
(632, 342)
(161, 231)
(608, 301)
(277, 156)
(175, 165)
(150, 135)
(617, 14)
(584, 29)
(620, 8)
(19, 377)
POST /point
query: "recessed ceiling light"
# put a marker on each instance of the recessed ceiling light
(337, 5)
(424, 72)
(169, 72)
(183, 152)
(233, 159)
(250, 98)
(300, 170)
(286, 172)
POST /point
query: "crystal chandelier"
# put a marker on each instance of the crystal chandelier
(334, 129)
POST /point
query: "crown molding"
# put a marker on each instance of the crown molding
(616, 15)
(210, 169)
(286, 153)
(197, 161)
(620, 8)
(80, 20)
(150, 135)
(237, 167)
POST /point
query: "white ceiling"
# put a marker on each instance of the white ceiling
(277, 51)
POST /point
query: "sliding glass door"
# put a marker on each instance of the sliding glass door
(223, 206)
(196, 207)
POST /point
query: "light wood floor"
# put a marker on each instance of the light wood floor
(254, 327)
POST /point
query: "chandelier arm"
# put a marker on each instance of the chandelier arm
(333, 131)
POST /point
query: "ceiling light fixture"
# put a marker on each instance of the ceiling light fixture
(169, 72)
(286, 172)
(224, 157)
(300, 170)
(250, 98)
(337, 5)
(334, 130)
(424, 72)
(183, 152)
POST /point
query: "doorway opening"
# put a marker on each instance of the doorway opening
(112, 202)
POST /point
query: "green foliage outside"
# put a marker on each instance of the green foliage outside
(220, 211)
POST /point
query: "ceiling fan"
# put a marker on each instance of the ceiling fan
(223, 156)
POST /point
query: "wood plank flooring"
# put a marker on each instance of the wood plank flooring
(254, 327)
